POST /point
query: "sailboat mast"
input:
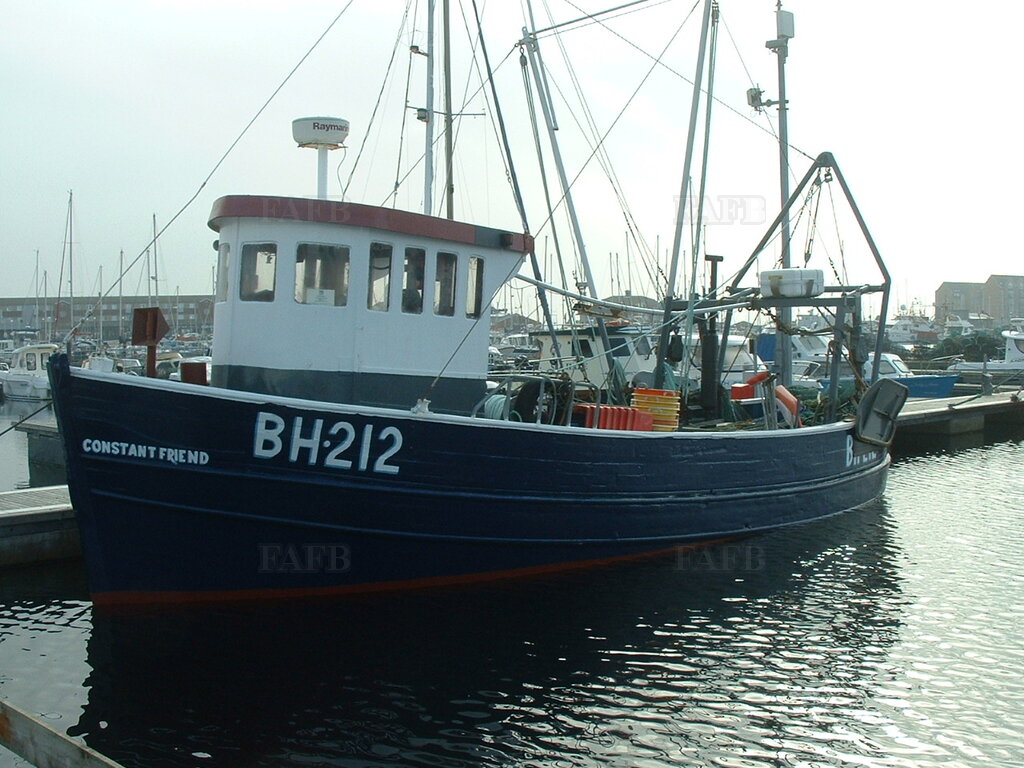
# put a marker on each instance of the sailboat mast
(156, 267)
(71, 262)
(36, 281)
(48, 329)
(99, 308)
(120, 299)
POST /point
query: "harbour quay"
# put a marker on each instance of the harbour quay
(959, 415)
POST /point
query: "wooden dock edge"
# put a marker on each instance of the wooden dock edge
(43, 746)
(37, 524)
(960, 415)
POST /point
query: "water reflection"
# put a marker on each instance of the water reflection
(745, 652)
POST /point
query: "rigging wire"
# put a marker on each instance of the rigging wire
(842, 249)
(812, 225)
(480, 90)
(532, 110)
(405, 116)
(520, 205)
(647, 257)
(614, 122)
(380, 99)
(214, 170)
(592, 18)
(685, 79)
(702, 189)
(19, 422)
(466, 201)
(771, 125)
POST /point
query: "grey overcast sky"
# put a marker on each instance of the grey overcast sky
(131, 104)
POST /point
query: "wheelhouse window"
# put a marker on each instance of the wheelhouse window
(321, 274)
(475, 287)
(223, 268)
(412, 280)
(378, 294)
(444, 284)
(619, 346)
(30, 362)
(258, 272)
(582, 348)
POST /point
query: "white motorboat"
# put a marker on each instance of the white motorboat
(27, 378)
(1013, 357)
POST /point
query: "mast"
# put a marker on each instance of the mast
(428, 152)
(71, 263)
(99, 308)
(780, 45)
(156, 267)
(514, 179)
(449, 181)
(533, 53)
(659, 371)
(120, 299)
(36, 280)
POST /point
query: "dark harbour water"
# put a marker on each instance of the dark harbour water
(889, 636)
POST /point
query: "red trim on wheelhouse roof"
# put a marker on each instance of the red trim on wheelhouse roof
(356, 215)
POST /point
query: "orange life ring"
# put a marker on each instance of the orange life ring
(789, 402)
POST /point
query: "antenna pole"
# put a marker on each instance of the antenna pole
(783, 344)
(321, 173)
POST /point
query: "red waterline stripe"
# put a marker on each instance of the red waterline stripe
(138, 598)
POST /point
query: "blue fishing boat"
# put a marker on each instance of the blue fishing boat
(321, 467)
(349, 440)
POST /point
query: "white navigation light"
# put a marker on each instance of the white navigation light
(327, 132)
(784, 27)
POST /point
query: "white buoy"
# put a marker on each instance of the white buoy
(322, 134)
